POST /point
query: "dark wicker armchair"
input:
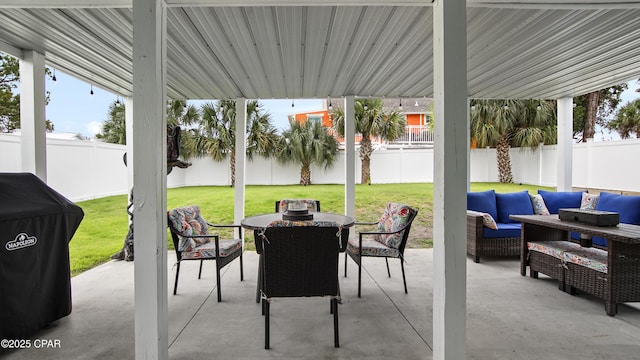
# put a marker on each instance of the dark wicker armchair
(300, 259)
(388, 241)
(282, 206)
(478, 245)
(192, 241)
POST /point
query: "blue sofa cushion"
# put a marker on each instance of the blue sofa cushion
(561, 199)
(510, 230)
(517, 203)
(626, 205)
(483, 201)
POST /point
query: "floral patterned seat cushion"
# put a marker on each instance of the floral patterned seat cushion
(188, 221)
(556, 249)
(300, 223)
(371, 247)
(308, 204)
(208, 250)
(394, 218)
(570, 252)
(293, 223)
(592, 258)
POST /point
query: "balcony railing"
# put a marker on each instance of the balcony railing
(414, 135)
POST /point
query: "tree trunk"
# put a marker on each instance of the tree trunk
(365, 155)
(590, 117)
(232, 164)
(305, 175)
(504, 161)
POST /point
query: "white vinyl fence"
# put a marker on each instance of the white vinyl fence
(82, 170)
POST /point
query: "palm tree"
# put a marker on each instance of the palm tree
(181, 114)
(370, 121)
(627, 120)
(214, 133)
(307, 143)
(113, 129)
(506, 123)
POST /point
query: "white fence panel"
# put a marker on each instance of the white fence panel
(83, 170)
(483, 165)
(607, 165)
(10, 153)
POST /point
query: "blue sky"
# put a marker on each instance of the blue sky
(73, 109)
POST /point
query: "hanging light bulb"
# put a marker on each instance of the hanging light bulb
(539, 107)
(54, 76)
(118, 101)
(416, 104)
(292, 104)
(400, 106)
(473, 107)
(365, 107)
(506, 106)
(330, 104)
(91, 92)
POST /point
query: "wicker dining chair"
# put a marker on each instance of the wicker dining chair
(300, 259)
(310, 204)
(388, 241)
(192, 241)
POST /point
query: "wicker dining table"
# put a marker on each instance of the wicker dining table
(260, 222)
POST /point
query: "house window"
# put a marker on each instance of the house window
(315, 118)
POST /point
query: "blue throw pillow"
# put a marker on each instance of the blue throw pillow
(626, 205)
(483, 201)
(562, 199)
(517, 203)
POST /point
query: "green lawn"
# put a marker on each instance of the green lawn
(105, 224)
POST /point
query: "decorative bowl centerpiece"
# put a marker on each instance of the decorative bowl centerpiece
(297, 213)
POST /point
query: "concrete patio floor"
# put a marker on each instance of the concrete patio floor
(508, 317)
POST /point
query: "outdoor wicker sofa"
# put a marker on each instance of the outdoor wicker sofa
(490, 232)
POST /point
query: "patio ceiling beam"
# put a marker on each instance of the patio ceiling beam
(65, 4)
(523, 4)
(241, 3)
(62, 4)
(556, 5)
(11, 50)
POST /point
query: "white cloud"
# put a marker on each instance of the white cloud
(94, 127)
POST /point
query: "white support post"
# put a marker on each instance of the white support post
(350, 157)
(128, 121)
(241, 159)
(565, 144)
(150, 179)
(33, 131)
(450, 175)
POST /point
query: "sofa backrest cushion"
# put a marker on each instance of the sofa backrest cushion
(517, 203)
(483, 201)
(626, 205)
(555, 200)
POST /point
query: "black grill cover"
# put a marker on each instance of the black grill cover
(36, 225)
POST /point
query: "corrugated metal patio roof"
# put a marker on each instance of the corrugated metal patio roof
(307, 49)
